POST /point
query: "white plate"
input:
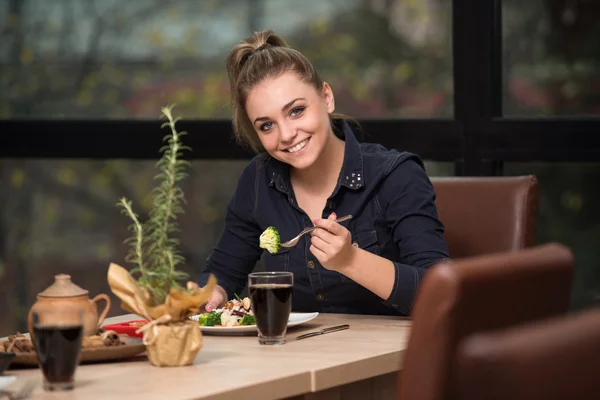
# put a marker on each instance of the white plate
(7, 380)
(294, 320)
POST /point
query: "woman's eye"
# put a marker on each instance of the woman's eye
(266, 126)
(296, 111)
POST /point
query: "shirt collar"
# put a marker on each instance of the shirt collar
(351, 175)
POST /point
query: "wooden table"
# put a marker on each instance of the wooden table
(358, 363)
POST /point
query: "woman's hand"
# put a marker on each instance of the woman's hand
(332, 244)
(217, 299)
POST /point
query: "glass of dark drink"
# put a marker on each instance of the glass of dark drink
(57, 335)
(271, 297)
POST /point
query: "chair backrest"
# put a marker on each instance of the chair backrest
(478, 294)
(546, 360)
(487, 214)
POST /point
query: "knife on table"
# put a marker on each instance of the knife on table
(324, 331)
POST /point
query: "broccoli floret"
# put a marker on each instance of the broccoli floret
(270, 240)
(202, 319)
(210, 319)
(214, 318)
(247, 320)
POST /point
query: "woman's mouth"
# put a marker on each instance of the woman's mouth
(299, 147)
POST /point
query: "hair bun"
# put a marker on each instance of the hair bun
(262, 46)
(247, 48)
(265, 39)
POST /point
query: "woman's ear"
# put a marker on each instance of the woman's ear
(329, 98)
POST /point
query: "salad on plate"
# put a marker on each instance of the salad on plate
(236, 312)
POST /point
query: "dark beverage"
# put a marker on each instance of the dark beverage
(271, 304)
(58, 349)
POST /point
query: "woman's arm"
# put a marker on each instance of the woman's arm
(379, 278)
(412, 218)
(408, 199)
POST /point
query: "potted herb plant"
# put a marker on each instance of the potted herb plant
(153, 287)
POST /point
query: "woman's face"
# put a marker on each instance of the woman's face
(291, 118)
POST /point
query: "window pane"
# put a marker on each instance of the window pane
(60, 216)
(115, 59)
(551, 57)
(569, 214)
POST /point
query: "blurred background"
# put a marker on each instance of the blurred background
(390, 62)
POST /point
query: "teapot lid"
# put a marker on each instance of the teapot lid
(63, 287)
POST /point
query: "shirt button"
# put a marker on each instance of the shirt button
(321, 297)
(311, 264)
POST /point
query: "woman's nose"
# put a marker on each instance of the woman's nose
(287, 133)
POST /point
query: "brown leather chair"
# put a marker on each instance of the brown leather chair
(549, 360)
(477, 294)
(487, 214)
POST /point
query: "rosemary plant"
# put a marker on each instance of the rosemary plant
(153, 248)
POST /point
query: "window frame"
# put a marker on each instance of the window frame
(478, 139)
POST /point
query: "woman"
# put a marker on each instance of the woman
(311, 169)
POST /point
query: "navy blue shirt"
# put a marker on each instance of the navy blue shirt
(391, 199)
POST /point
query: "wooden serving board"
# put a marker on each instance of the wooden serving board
(132, 347)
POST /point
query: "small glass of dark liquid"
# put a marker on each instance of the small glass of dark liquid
(57, 335)
(271, 297)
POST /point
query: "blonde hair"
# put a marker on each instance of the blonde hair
(263, 55)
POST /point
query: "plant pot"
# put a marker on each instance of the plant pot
(173, 344)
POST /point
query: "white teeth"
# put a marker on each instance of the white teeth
(298, 147)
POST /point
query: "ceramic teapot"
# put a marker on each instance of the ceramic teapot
(63, 292)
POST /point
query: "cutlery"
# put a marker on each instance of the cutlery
(324, 331)
(294, 241)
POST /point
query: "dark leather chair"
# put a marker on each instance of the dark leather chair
(546, 360)
(487, 214)
(478, 294)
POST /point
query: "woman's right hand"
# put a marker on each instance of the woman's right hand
(217, 299)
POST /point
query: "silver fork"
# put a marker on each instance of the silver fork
(21, 394)
(294, 241)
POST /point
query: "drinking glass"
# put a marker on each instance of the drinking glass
(271, 297)
(57, 335)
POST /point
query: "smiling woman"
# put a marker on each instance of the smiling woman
(298, 132)
(309, 169)
(120, 62)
